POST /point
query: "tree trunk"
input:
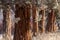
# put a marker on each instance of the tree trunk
(7, 23)
(43, 20)
(55, 27)
(23, 27)
(35, 22)
(51, 21)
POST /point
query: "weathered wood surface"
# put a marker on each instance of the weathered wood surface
(7, 22)
(51, 26)
(35, 16)
(23, 27)
(43, 20)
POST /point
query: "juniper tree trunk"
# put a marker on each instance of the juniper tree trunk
(55, 27)
(35, 22)
(51, 21)
(7, 23)
(23, 27)
(43, 20)
(54, 23)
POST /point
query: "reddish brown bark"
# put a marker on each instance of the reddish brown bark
(43, 20)
(35, 24)
(55, 27)
(51, 21)
(23, 27)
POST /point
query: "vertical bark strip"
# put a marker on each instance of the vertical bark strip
(23, 27)
(51, 21)
(49, 24)
(18, 13)
(35, 24)
(43, 20)
(7, 18)
(55, 27)
(28, 22)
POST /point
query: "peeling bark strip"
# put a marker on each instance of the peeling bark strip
(23, 27)
(55, 27)
(51, 22)
(35, 24)
(28, 22)
(43, 20)
(7, 18)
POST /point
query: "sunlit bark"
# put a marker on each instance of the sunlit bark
(43, 20)
(7, 22)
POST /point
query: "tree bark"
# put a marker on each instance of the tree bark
(23, 27)
(51, 21)
(55, 27)
(35, 22)
(7, 22)
(43, 20)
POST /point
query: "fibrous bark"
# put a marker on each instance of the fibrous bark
(7, 22)
(23, 27)
(51, 26)
(43, 20)
(35, 18)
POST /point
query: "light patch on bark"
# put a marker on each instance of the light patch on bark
(17, 20)
(38, 16)
(27, 2)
